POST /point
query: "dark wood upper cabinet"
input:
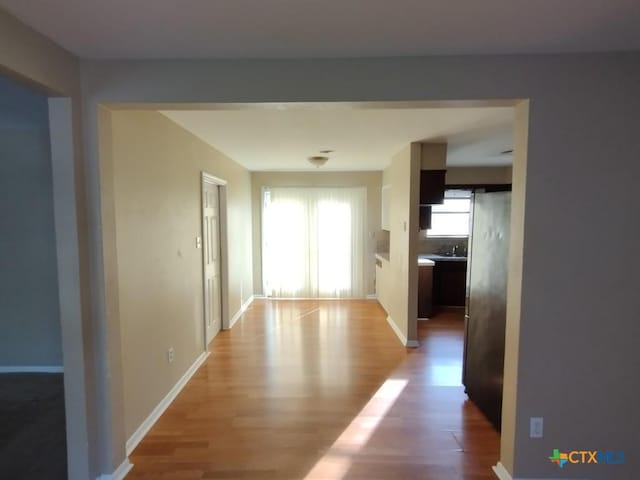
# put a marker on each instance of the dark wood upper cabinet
(432, 183)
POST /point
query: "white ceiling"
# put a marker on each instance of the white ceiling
(330, 28)
(283, 137)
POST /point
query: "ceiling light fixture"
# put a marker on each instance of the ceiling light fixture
(318, 160)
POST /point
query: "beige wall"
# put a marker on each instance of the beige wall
(514, 287)
(372, 181)
(156, 168)
(477, 175)
(398, 285)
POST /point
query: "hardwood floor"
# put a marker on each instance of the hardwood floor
(323, 390)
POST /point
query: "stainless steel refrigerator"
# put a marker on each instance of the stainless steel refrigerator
(486, 300)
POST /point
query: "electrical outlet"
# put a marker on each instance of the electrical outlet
(170, 355)
(198, 242)
(536, 425)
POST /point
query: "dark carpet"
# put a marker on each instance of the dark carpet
(32, 427)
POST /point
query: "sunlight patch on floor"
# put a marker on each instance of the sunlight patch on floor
(444, 375)
(336, 462)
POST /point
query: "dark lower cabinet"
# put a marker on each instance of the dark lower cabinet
(449, 283)
(425, 291)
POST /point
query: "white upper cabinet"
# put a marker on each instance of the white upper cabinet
(385, 207)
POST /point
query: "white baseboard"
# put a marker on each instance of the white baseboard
(426, 319)
(332, 299)
(32, 369)
(501, 472)
(243, 308)
(120, 472)
(401, 336)
(372, 296)
(153, 417)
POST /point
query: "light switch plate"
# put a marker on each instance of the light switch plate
(536, 426)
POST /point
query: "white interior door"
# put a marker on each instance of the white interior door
(211, 254)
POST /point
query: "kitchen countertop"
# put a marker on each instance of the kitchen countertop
(423, 261)
(441, 258)
(426, 259)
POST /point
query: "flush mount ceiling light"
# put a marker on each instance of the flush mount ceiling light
(318, 160)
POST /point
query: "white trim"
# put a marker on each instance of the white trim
(425, 319)
(120, 472)
(33, 369)
(208, 178)
(243, 308)
(336, 299)
(372, 296)
(403, 339)
(153, 417)
(396, 330)
(501, 472)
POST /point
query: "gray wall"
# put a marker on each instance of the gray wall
(579, 305)
(37, 60)
(29, 313)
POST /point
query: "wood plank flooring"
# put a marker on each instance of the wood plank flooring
(323, 390)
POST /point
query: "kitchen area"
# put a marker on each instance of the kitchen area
(442, 271)
(462, 251)
(444, 228)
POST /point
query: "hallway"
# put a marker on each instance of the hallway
(323, 390)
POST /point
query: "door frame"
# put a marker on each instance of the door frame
(67, 240)
(207, 178)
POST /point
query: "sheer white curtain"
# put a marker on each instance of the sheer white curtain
(313, 242)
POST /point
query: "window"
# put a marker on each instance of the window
(313, 242)
(451, 219)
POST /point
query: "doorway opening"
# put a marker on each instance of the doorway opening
(403, 210)
(33, 432)
(463, 282)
